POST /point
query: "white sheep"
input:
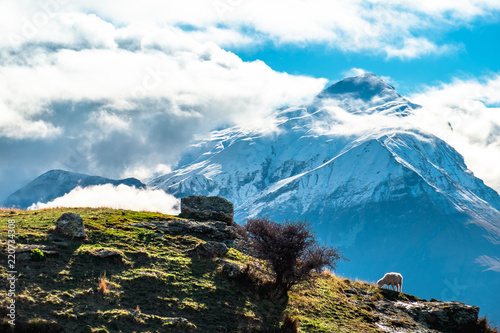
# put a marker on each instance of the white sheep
(392, 279)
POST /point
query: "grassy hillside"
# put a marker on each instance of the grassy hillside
(152, 284)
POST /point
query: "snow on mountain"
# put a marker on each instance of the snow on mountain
(56, 183)
(368, 94)
(394, 199)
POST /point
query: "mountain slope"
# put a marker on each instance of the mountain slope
(394, 199)
(134, 273)
(56, 183)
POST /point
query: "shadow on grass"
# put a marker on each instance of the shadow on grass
(243, 305)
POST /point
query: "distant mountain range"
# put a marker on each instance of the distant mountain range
(56, 183)
(393, 198)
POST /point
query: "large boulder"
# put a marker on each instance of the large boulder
(70, 225)
(447, 316)
(231, 269)
(210, 249)
(202, 208)
(216, 231)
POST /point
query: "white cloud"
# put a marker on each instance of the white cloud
(109, 122)
(460, 114)
(354, 72)
(196, 75)
(125, 108)
(59, 30)
(117, 197)
(491, 263)
(147, 172)
(393, 28)
(463, 9)
(414, 48)
(14, 126)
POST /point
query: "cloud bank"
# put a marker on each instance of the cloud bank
(395, 28)
(83, 94)
(117, 197)
(119, 88)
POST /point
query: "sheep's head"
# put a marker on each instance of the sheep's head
(380, 283)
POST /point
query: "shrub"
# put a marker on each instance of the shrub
(484, 326)
(37, 255)
(291, 250)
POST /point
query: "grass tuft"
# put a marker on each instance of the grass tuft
(102, 285)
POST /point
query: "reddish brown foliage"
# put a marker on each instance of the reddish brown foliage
(291, 250)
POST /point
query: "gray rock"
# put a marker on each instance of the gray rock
(27, 248)
(446, 316)
(218, 231)
(181, 323)
(23, 251)
(204, 208)
(404, 313)
(23, 257)
(60, 244)
(210, 249)
(424, 317)
(231, 270)
(70, 225)
(107, 253)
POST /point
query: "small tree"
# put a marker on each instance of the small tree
(291, 250)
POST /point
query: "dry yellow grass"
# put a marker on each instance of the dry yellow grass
(103, 285)
(10, 210)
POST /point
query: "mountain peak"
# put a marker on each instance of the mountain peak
(368, 93)
(365, 87)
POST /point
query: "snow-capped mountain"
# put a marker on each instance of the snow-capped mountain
(56, 183)
(394, 199)
(368, 94)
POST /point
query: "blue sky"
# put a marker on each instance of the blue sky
(476, 56)
(120, 88)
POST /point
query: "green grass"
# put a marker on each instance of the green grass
(153, 280)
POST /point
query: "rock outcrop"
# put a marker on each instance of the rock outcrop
(70, 225)
(210, 249)
(23, 251)
(398, 312)
(231, 269)
(217, 231)
(204, 208)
